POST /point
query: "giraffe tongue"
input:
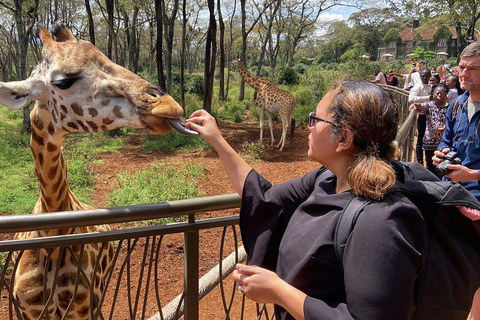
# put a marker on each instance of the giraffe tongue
(179, 125)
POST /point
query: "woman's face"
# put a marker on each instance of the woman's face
(321, 146)
(439, 95)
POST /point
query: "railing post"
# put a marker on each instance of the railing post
(190, 274)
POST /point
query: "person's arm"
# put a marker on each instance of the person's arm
(415, 95)
(235, 167)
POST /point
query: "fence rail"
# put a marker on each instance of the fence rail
(133, 287)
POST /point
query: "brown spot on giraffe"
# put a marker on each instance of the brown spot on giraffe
(93, 112)
(77, 109)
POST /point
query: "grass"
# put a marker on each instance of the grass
(174, 142)
(160, 182)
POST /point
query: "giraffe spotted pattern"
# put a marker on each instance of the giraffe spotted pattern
(76, 88)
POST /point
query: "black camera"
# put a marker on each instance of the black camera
(450, 158)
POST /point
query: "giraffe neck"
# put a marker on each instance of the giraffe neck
(50, 166)
(252, 80)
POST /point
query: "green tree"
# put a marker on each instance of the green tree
(355, 53)
(442, 32)
(421, 53)
(392, 35)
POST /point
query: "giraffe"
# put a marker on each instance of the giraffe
(76, 88)
(270, 99)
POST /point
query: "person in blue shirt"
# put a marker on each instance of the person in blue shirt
(461, 133)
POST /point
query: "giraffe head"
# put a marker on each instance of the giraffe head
(235, 64)
(80, 90)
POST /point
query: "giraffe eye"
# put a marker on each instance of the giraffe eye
(65, 83)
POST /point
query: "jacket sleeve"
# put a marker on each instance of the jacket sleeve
(415, 97)
(265, 212)
(382, 259)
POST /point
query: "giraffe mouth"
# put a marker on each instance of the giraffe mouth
(179, 125)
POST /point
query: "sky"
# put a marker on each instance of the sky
(337, 13)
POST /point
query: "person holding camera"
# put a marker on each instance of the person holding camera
(461, 134)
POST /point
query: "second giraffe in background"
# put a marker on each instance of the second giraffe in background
(270, 99)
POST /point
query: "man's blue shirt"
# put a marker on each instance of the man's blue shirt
(463, 137)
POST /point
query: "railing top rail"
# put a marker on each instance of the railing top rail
(395, 89)
(80, 218)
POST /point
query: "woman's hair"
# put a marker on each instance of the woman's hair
(442, 85)
(372, 115)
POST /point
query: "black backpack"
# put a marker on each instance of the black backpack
(450, 275)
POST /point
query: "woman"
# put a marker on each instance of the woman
(435, 111)
(288, 229)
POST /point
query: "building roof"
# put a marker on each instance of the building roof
(427, 33)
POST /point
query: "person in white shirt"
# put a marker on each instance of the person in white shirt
(414, 74)
(379, 77)
(420, 93)
(454, 85)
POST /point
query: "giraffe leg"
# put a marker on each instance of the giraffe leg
(261, 116)
(270, 125)
(284, 135)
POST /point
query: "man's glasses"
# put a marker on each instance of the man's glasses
(313, 119)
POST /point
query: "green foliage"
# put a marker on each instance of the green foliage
(253, 152)
(17, 177)
(174, 142)
(160, 182)
(355, 53)
(421, 53)
(392, 35)
(193, 83)
(288, 76)
(442, 32)
(360, 70)
(234, 110)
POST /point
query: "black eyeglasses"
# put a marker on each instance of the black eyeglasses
(313, 119)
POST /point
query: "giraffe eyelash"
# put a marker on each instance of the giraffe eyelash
(65, 83)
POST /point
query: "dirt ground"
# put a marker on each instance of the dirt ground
(277, 167)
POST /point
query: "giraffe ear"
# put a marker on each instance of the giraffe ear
(43, 34)
(15, 94)
(62, 33)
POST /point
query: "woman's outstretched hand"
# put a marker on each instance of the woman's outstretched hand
(202, 122)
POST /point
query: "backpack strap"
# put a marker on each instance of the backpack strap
(346, 223)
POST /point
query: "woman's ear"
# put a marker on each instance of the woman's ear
(345, 143)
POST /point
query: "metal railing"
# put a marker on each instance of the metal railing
(133, 288)
(407, 130)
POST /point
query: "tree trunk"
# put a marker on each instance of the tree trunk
(210, 57)
(23, 33)
(243, 54)
(91, 27)
(111, 31)
(159, 45)
(182, 56)
(268, 37)
(169, 25)
(221, 90)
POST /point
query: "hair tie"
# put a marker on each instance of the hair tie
(373, 149)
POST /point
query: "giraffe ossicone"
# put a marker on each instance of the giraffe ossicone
(76, 88)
